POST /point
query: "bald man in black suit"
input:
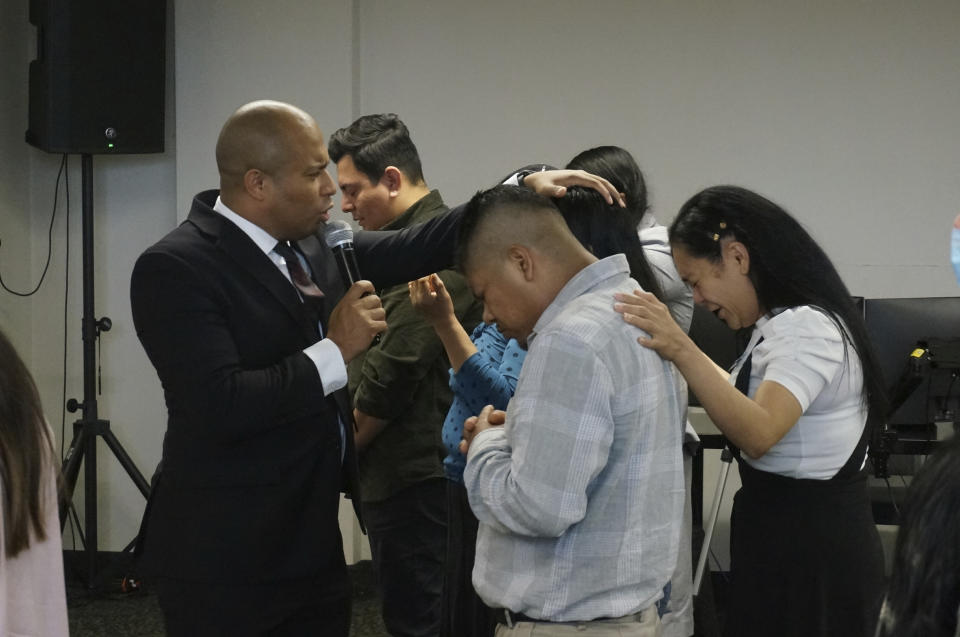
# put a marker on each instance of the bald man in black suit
(242, 532)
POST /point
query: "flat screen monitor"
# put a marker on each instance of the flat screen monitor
(895, 327)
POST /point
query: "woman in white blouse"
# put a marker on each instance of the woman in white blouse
(32, 598)
(799, 406)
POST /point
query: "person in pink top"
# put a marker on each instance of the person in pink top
(32, 596)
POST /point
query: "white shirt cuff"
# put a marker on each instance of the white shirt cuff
(329, 362)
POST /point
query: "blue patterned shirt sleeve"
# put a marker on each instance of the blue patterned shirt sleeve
(489, 377)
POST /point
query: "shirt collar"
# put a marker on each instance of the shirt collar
(430, 201)
(755, 335)
(258, 235)
(581, 283)
(656, 239)
(763, 320)
(647, 221)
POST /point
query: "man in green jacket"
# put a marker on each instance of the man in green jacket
(400, 387)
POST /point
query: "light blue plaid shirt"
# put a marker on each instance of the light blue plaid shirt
(580, 493)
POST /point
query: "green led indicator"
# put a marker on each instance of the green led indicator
(109, 145)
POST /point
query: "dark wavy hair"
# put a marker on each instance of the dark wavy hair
(606, 229)
(923, 598)
(787, 267)
(375, 142)
(25, 452)
(617, 166)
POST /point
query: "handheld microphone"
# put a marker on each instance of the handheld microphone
(338, 236)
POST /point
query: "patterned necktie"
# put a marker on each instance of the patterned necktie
(311, 294)
(299, 276)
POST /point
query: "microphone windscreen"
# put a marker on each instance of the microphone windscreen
(337, 232)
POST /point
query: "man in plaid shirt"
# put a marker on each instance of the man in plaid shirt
(579, 493)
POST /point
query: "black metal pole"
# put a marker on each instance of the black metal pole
(89, 326)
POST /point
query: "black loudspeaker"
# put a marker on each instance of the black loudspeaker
(97, 85)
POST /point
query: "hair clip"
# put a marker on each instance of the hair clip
(723, 225)
(716, 237)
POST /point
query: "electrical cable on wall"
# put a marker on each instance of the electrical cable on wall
(53, 216)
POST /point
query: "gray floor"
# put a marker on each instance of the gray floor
(138, 615)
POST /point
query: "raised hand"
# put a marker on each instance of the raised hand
(430, 298)
(554, 183)
(646, 312)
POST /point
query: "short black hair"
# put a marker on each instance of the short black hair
(375, 142)
(484, 203)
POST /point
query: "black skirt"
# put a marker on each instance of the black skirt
(806, 558)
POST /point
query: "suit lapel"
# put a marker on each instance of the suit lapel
(248, 257)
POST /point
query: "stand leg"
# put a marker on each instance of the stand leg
(726, 457)
(71, 471)
(126, 463)
(90, 507)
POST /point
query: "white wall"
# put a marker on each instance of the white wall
(231, 53)
(845, 112)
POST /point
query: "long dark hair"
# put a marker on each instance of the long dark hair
(923, 598)
(25, 452)
(787, 267)
(606, 229)
(617, 166)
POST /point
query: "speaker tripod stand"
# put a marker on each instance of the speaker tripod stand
(89, 427)
(726, 459)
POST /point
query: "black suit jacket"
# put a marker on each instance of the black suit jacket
(251, 470)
